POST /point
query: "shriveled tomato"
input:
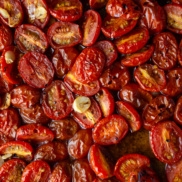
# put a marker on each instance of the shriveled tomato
(150, 77)
(36, 171)
(36, 69)
(178, 111)
(128, 164)
(64, 34)
(169, 135)
(179, 54)
(57, 100)
(91, 27)
(4, 138)
(96, 4)
(133, 41)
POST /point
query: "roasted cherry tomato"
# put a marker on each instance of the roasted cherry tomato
(180, 53)
(91, 27)
(65, 10)
(96, 4)
(110, 130)
(36, 171)
(57, 100)
(169, 135)
(159, 109)
(150, 77)
(64, 34)
(11, 12)
(36, 69)
(89, 65)
(178, 111)
(12, 170)
(128, 164)
(37, 12)
(133, 41)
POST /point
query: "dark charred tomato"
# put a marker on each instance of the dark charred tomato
(12, 170)
(20, 149)
(51, 152)
(65, 10)
(110, 130)
(91, 27)
(36, 171)
(178, 111)
(100, 161)
(133, 41)
(139, 57)
(174, 20)
(90, 117)
(153, 16)
(106, 101)
(173, 171)
(86, 175)
(113, 27)
(35, 133)
(24, 96)
(11, 12)
(64, 129)
(57, 100)
(123, 8)
(126, 110)
(150, 77)
(174, 82)
(63, 59)
(96, 4)
(109, 49)
(6, 37)
(80, 143)
(37, 12)
(77, 87)
(115, 76)
(165, 51)
(169, 135)
(30, 38)
(128, 164)
(159, 109)
(36, 69)
(9, 122)
(180, 53)
(9, 63)
(64, 34)
(89, 65)
(61, 172)
(33, 114)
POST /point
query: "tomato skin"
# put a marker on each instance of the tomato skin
(170, 136)
(96, 4)
(179, 54)
(36, 69)
(11, 170)
(178, 111)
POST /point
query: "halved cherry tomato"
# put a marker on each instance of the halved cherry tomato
(36, 171)
(133, 41)
(128, 164)
(96, 4)
(57, 100)
(169, 135)
(150, 77)
(178, 111)
(65, 10)
(64, 34)
(36, 69)
(12, 170)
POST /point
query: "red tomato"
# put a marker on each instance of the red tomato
(65, 10)
(169, 135)
(128, 164)
(89, 65)
(35, 133)
(91, 27)
(11, 170)
(133, 41)
(177, 1)
(36, 69)
(150, 77)
(112, 179)
(179, 54)
(178, 111)
(4, 138)
(64, 34)
(37, 12)
(36, 171)
(11, 12)
(96, 4)
(57, 100)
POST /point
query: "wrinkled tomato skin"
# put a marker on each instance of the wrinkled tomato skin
(97, 4)
(178, 111)
(11, 170)
(169, 135)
